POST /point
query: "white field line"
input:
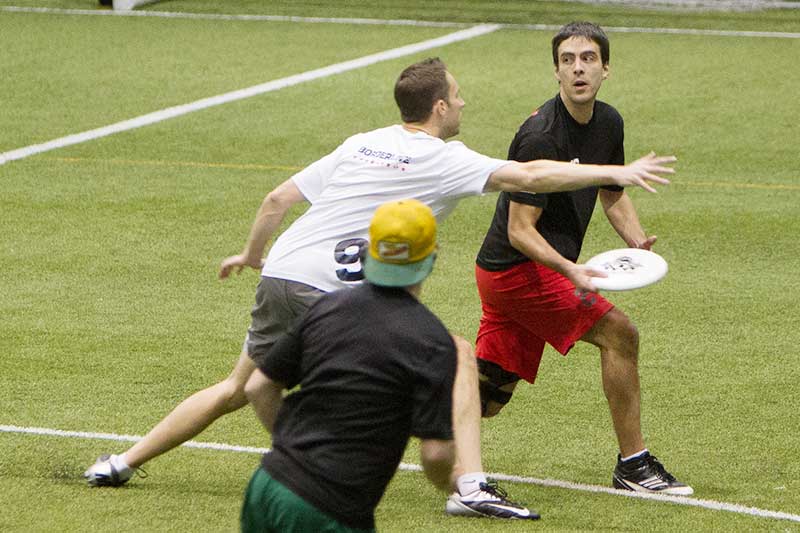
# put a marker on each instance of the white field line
(165, 114)
(176, 111)
(678, 500)
(250, 18)
(698, 5)
(389, 22)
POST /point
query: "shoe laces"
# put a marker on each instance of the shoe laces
(140, 472)
(494, 489)
(656, 465)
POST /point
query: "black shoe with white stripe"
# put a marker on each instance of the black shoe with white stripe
(489, 501)
(646, 474)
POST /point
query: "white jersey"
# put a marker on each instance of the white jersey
(346, 187)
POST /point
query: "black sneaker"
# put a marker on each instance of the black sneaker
(646, 474)
(489, 501)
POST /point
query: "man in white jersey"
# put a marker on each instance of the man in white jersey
(319, 253)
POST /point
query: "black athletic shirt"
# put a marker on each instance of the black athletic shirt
(551, 133)
(374, 366)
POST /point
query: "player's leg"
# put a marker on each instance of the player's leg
(194, 414)
(475, 495)
(278, 302)
(187, 420)
(618, 340)
(496, 387)
(466, 412)
(637, 470)
(546, 308)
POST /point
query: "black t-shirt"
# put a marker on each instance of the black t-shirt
(551, 133)
(374, 366)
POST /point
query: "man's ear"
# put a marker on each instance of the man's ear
(605, 71)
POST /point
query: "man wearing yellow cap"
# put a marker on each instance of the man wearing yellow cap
(337, 441)
(320, 252)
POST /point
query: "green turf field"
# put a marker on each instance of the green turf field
(112, 313)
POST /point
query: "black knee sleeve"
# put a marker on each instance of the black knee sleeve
(492, 376)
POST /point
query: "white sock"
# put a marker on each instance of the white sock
(469, 484)
(634, 456)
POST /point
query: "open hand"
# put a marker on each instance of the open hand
(237, 263)
(644, 170)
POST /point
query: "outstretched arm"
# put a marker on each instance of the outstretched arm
(623, 218)
(555, 176)
(270, 215)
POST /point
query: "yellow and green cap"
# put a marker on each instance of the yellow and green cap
(402, 244)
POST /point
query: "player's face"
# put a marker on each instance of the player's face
(580, 70)
(451, 120)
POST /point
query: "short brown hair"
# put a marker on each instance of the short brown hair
(588, 30)
(419, 87)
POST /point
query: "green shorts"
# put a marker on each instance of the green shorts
(270, 507)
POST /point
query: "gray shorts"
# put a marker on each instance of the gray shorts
(278, 303)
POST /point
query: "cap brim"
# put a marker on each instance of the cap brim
(394, 275)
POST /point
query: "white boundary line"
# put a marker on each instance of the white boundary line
(679, 500)
(172, 112)
(249, 18)
(389, 22)
(698, 5)
(176, 111)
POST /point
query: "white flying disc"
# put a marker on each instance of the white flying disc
(627, 269)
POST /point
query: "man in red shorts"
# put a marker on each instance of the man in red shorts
(531, 290)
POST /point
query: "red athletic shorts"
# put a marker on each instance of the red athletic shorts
(526, 306)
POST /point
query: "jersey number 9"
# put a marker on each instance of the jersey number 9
(348, 253)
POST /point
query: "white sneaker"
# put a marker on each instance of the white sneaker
(489, 501)
(103, 473)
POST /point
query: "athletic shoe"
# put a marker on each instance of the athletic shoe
(646, 474)
(103, 473)
(489, 501)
